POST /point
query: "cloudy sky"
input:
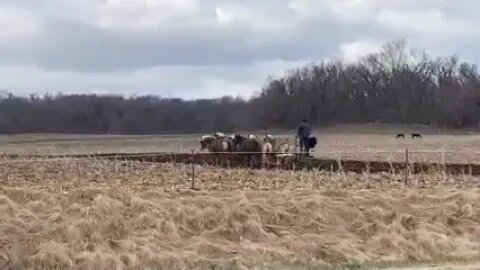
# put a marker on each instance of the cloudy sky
(207, 48)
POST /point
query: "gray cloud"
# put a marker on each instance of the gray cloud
(194, 48)
(74, 46)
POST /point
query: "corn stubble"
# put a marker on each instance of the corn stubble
(94, 214)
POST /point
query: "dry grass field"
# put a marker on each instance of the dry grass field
(98, 214)
(94, 214)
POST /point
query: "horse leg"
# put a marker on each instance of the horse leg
(254, 161)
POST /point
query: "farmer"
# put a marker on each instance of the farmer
(303, 134)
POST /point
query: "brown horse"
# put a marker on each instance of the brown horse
(217, 143)
(205, 141)
(255, 149)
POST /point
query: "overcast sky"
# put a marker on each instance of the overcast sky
(191, 49)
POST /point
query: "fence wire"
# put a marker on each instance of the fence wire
(406, 166)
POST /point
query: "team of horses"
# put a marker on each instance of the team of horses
(254, 148)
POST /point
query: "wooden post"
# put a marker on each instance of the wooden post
(444, 167)
(407, 166)
(193, 169)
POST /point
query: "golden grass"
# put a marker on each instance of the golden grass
(96, 214)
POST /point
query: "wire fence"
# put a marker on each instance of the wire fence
(8, 158)
(331, 161)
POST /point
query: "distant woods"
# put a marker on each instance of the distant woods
(396, 85)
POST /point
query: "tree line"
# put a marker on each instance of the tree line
(397, 85)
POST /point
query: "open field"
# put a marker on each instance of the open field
(106, 214)
(343, 145)
(97, 214)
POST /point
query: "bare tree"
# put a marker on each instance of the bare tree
(395, 85)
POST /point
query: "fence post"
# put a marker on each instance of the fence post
(444, 167)
(407, 166)
(193, 169)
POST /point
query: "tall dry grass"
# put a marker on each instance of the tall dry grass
(96, 214)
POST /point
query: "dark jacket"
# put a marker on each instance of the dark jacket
(304, 130)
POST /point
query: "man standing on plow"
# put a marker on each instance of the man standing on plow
(303, 135)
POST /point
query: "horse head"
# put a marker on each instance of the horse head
(205, 141)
